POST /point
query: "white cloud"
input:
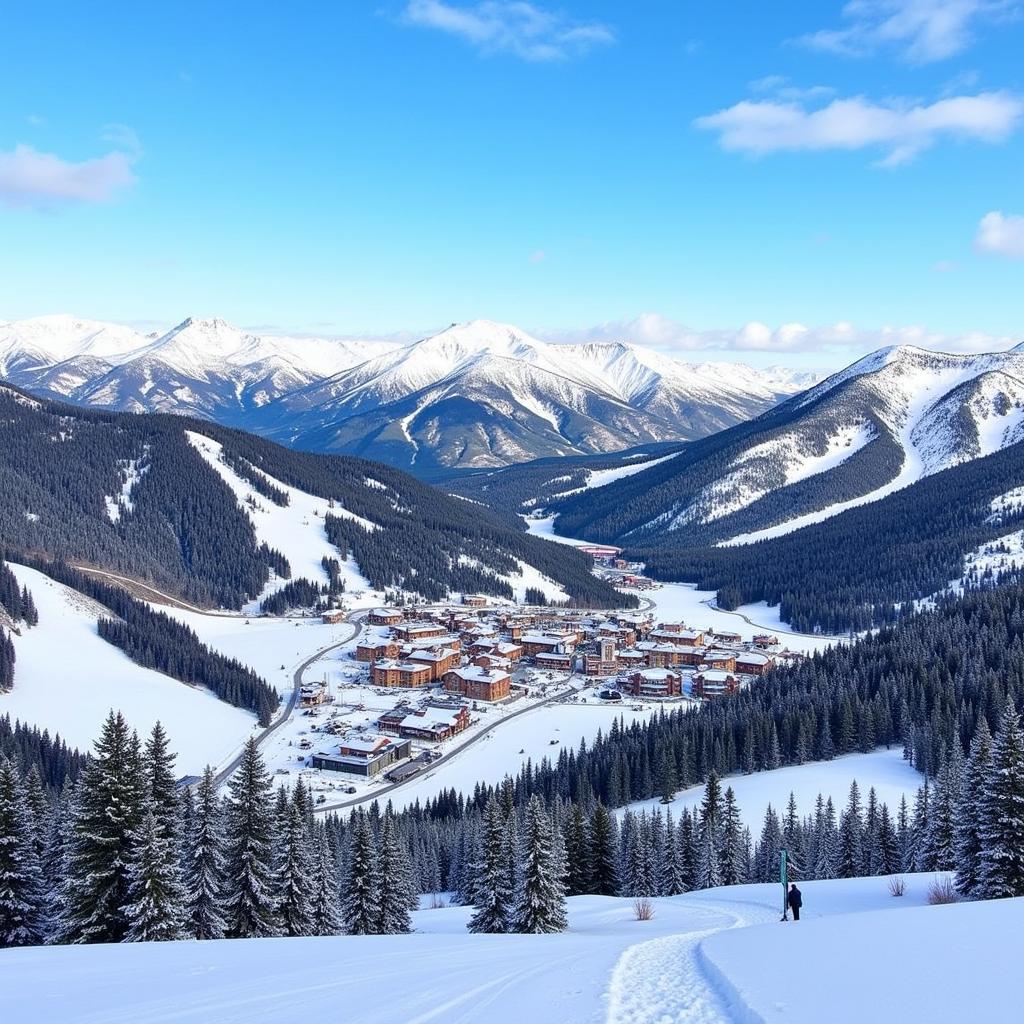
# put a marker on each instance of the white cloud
(522, 29)
(35, 180)
(899, 127)
(1001, 234)
(838, 339)
(923, 31)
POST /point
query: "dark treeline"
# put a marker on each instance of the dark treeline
(125, 856)
(156, 640)
(49, 757)
(854, 570)
(183, 530)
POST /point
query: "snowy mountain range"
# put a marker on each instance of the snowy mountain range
(475, 395)
(885, 422)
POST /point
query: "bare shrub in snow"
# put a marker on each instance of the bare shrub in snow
(942, 890)
(897, 885)
(643, 909)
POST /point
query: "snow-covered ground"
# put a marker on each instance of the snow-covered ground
(885, 770)
(721, 955)
(67, 679)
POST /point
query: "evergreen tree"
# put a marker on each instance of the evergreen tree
(603, 873)
(1001, 812)
(23, 898)
(249, 890)
(295, 882)
(733, 844)
(325, 910)
(360, 899)
(156, 897)
(106, 813)
(576, 840)
(851, 836)
(968, 830)
(945, 811)
(204, 863)
(397, 893)
(540, 903)
(493, 893)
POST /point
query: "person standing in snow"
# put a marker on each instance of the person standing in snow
(795, 900)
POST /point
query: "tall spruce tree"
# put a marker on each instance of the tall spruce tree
(969, 823)
(295, 881)
(360, 900)
(493, 893)
(107, 810)
(326, 908)
(23, 898)
(250, 909)
(601, 855)
(1002, 813)
(397, 892)
(156, 898)
(733, 850)
(204, 863)
(540, 903)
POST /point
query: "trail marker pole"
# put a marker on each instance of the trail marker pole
(784, 879)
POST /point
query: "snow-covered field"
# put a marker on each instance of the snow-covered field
(68, 679)
(885, 770)
(715, 956)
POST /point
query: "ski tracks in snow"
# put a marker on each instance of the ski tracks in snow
(664, 981)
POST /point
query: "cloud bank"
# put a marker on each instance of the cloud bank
(30, 179)
(1001, 234)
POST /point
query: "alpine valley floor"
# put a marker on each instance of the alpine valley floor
(720, 955)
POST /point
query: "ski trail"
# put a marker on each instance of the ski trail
(664, 981)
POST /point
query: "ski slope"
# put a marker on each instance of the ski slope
(709, 957)
(296, 529)
(67, 679)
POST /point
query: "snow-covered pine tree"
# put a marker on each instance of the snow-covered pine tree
(601, 854)
(326, 908)
(397, 892)
(888, 849)
(493, 894)
(769, 845)
(156, 898)
(793, 840)
(639, 875)
(920, 830)
(1001, 871)
(826, 864)
(968, 829)
(204, 863)
(23, 899)
(732, 852)
(249, 891)
(540, 901)
(295, 882)
(945, 810)
(575, 839)
(851, 836)
(158, 763)
(686, 853)
(106, 812)
(360, 898)
(667, 775)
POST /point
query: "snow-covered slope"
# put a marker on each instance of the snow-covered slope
(476, 394)
(710, 957)
(883, 423)
(487, 394)
(68, 679)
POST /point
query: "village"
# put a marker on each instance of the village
(420, 683)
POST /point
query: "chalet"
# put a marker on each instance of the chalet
(766, 640)
(723, 660)
(487, 660)
(555, 661)
(399, 673)
(631, 659)
(721, 636)
(621, 634)
(753, 663)
(376, 650)
(415, 631)
(478, 683)
(429, 723)
(314, 694)
(714, 683)
(665, 655)
(547, 643)
(438, 661)
(654, 683)
(367, 755)
(384, 617)
(433, 643)
(475, 600)
(333, 616)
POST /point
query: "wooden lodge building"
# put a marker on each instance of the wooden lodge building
(478, 683)
(366, 755)
(399, 673)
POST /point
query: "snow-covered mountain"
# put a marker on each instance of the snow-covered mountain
(484, 394)
(885, 422)
(200, 367)
(475, 395)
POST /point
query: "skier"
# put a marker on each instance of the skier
(795, 900)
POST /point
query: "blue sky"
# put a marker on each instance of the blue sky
(697, 176)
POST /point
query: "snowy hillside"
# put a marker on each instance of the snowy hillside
(68, 679)
(710, 957)
(882, 424)
(476, 394)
